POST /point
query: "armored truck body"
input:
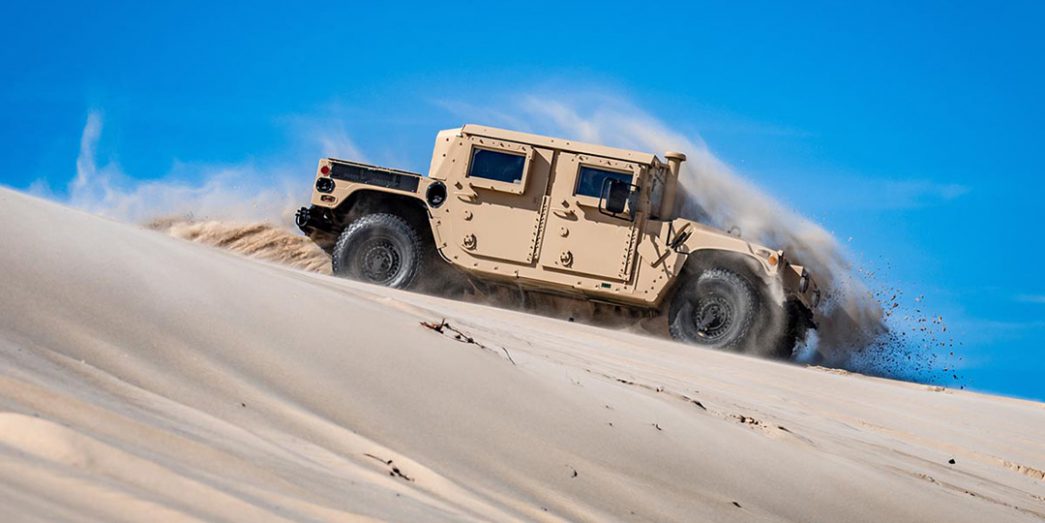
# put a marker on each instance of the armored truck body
(549, 215)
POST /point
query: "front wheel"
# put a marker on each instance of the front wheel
(379, 248)
(715, 310)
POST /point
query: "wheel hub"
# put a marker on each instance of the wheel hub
(380, 260)
(713, 316)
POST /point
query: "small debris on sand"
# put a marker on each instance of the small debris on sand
(393, 471)
(444, 327)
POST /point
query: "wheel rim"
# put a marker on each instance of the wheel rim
(380, 260)
(713, 316)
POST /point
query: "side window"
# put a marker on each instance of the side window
(496, 165)
(590, 180)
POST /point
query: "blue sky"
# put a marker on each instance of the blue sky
(912, 131)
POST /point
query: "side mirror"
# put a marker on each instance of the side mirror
(613, 200)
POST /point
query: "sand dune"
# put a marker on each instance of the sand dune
(147, 378)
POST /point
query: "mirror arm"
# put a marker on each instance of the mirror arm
(674, 243)
(680, 237)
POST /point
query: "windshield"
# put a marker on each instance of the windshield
(656, 190)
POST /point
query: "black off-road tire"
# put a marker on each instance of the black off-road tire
(717, 309)
(379, 248)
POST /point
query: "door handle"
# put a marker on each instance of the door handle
(467, 196)
(565, 213)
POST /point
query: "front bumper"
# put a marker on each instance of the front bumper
(800, 285)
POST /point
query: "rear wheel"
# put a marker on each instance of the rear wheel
(379, 248)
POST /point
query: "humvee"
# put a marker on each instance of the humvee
(548, 216)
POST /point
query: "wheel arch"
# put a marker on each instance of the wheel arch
(699, 260)
(789, 317)
(411, 208)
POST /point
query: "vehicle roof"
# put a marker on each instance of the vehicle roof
(559, 143)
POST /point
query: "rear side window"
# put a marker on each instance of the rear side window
(496, 165)
(590, 181)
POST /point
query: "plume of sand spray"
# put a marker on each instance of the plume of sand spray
(851, 318)
(263, 241)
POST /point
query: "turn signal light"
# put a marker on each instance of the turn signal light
(773, 260)
(325, 170)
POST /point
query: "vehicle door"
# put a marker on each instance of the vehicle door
(579, 238)
(499, 197)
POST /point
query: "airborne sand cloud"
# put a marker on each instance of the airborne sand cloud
(265, 191)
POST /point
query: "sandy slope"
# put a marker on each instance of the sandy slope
(147, 378)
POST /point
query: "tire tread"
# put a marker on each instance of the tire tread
(387, 221)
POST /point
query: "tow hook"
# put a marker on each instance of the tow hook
(302, 217)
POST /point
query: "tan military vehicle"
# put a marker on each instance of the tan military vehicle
(547, 216)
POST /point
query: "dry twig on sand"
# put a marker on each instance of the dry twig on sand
(393, 470)
(444, 327)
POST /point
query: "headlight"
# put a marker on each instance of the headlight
(325, 185)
